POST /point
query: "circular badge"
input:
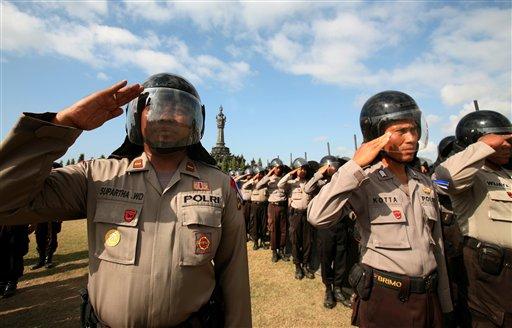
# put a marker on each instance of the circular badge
(112, 238)
(203, 243)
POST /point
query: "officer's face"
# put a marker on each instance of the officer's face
(502, 155)
(301, 173)
(403, 143)
(279, 170)
(167, 128)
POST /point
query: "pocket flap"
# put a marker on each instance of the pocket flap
(202, 215)
(501, 195)
(393, 216)
(117, 212)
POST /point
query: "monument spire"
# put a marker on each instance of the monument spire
(220, 150)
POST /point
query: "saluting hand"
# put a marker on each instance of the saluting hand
(323, 169)
(497, 141)
(94, 110)
(368, 151)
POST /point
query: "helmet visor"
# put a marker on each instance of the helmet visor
(169, 118)
(405, 127)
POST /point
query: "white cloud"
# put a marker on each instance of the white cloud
(105, 46)
(102, 76)
(429, 152)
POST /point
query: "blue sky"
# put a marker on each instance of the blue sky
(291, 76)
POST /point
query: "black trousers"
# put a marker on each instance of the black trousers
(301, 235)
(13, 246)
(247, 216)
(258, 221)
(46, 237)
(333, 246)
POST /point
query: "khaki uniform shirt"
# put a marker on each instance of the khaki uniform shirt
(400, 229)
(155, 253)
(315, 183)
(246, 190)
(257, 195)
(481, 197)
(299, 199)
(275, 194)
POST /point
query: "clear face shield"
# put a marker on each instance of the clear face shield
(167, 118)
(409, 131)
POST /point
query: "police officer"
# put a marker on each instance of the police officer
(246, 196)
(277, 209)
(402, 279)
(258, 218)
(13, 246)
(301, 232)
(164, 229)
(480, 189)
(452, 236)
(333, 242)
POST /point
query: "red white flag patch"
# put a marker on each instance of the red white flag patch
(397, 214)
(201, 186)
(129, 215)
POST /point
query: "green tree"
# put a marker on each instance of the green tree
(81, 158)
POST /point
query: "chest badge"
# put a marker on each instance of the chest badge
(397, 214)
(509, 193)
(137, 164)
(190, 167)
(203, 242)
(427, 190)
(201, 186)
(112, 238)
(129, 215)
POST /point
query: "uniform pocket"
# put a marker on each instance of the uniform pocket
(500, 205)
(116, 232)
(200, 234)
(388, 228)
(431, 218)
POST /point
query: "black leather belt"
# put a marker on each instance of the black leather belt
(418, 285)
(476, 245)
(254, 202)
(283, 203)
(296, 210)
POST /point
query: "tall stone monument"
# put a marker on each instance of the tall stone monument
(220, 150)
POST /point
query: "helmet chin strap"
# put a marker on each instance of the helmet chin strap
(167, 151)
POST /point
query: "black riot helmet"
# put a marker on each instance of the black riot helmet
(276, 162)
(299, 162)
(445, 147)
(314, 165)
(331, 161)
(258, 170)
(387, 107)
(476, 124)
(175, 116)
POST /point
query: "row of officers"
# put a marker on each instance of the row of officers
(166, 232)
(275, 205)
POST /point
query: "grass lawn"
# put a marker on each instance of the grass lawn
(49, 297)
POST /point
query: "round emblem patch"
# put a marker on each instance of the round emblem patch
(112, 238)
(203, 243)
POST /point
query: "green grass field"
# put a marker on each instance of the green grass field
(49, 297)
